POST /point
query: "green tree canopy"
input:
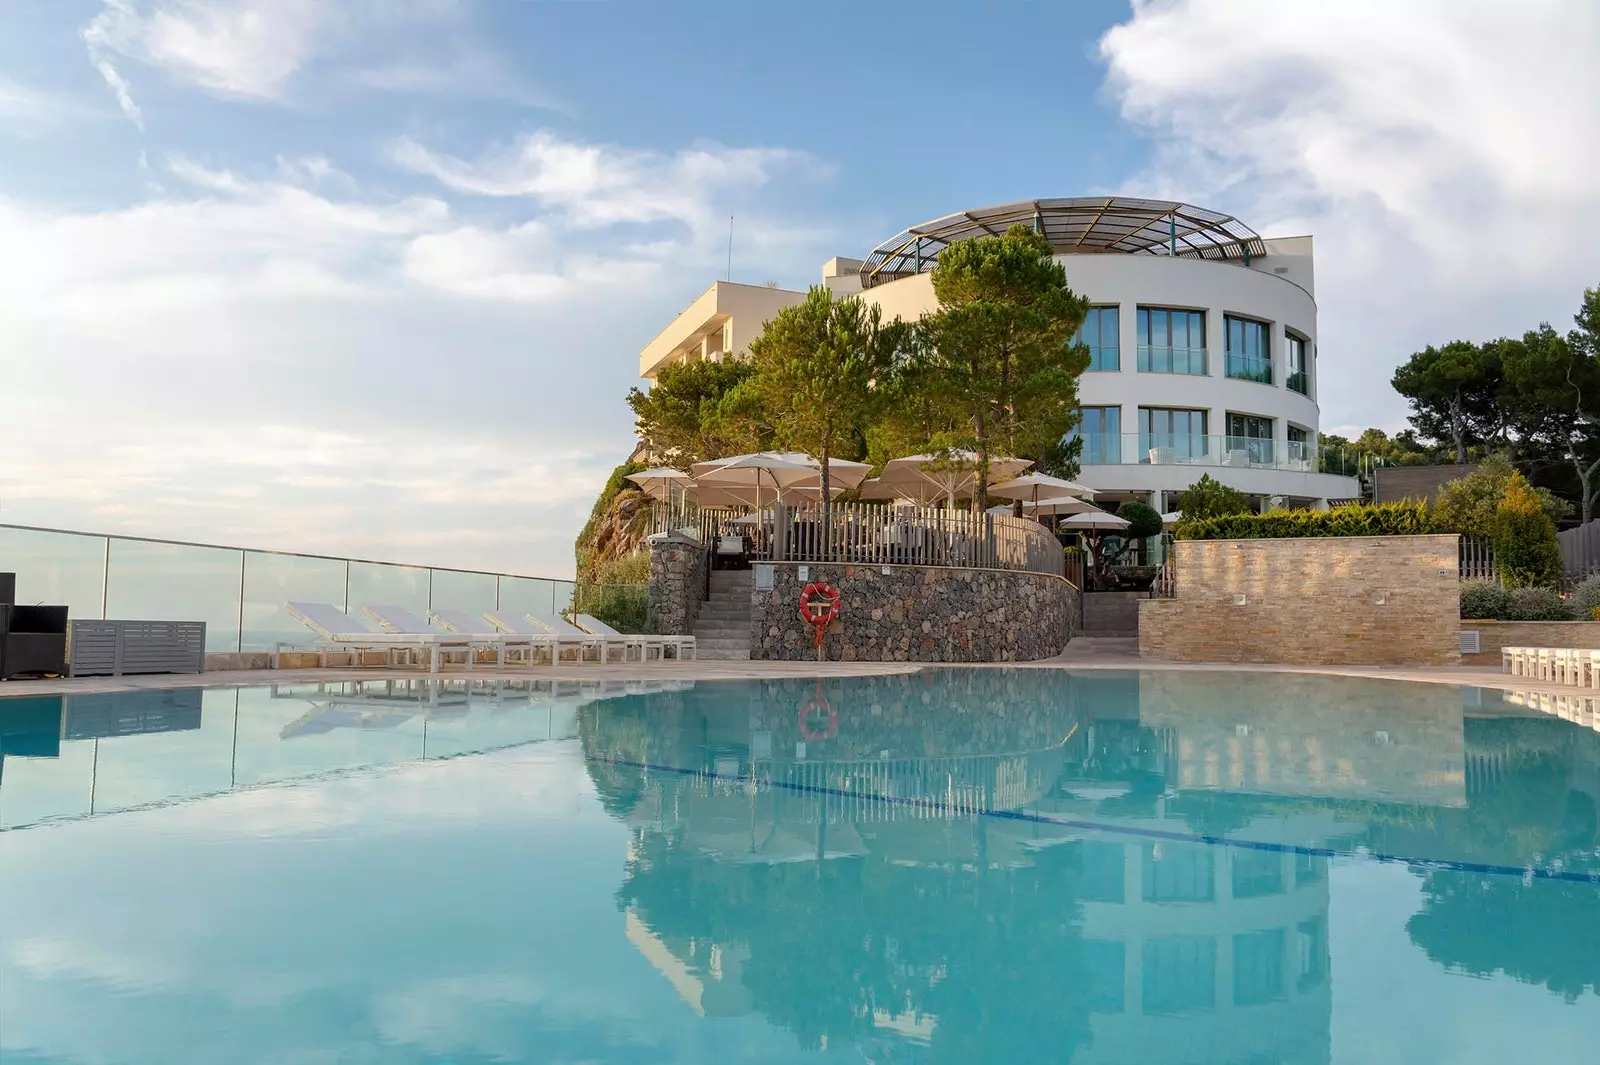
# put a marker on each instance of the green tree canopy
(1210, 498)
(821, 369)
(689, 414)
(1454, 393)
(998, 355)
(1555, 391)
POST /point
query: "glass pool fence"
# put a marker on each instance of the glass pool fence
(240, 594)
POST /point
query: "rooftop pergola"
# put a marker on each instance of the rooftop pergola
(1082, 225)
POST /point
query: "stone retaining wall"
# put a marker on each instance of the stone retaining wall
(1494, 635)
(677, 584)
(1348, 600)
(916, 614)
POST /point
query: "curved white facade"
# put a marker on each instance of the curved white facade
(1260, 438)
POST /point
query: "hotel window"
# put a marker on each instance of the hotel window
(1299, 374)
(1257, 873)
(1258, 967)
(1172, 341)
(1170, 435)
(1311, 941)
(1101, 430)
(1179, 974)
(1299, 447)
(1249, 350)
(1249, 440)
(1177, 872)
(1099, 334)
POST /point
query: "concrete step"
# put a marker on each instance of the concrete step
(719, 655)
(724, 612)
(722, 632)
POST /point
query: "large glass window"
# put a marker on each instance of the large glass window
(1099, 334)
(1101, 430)
(1258, 967)
(1179, 873)
(1249, 440)
(1256, 873)
(1171, 435)
(1249, 350)
(1172, 341)
(1299, 377)
(1179, 974)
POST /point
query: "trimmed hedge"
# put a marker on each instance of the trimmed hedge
(1383, 519)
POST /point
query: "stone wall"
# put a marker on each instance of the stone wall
(677, 584)
(1493, 635)
(916, 614)
(1359, 600)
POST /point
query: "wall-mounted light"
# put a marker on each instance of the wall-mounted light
(1241, 599)
(1380, 598)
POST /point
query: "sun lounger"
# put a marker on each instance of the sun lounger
(580, 643)
(560, 626)
(526, 643)
(678, 644)
(338, 631)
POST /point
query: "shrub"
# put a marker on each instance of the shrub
(1144, 520)
(1586, 598)
(1536, 604)
(1210, 498)
(1467, 504)
(1526, 551)
(1384, 519)
(1484, 599)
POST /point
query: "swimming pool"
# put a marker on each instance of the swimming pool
(955, 865)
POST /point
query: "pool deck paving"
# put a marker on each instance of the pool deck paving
(1084, 653)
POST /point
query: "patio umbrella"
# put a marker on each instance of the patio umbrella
(1032, 487)
(949, 474)
(663, 482)
(1090, 521)
(1169, 520)
(1059, 506)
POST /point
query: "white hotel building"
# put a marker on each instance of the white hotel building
(1202, 335)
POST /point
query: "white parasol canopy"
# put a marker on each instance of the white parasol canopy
(660, 483)
(1092, 520)
(940, 475)
(778, 470)
(1169, 520)
(1034, 487)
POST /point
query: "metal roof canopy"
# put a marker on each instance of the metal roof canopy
(1081, 225)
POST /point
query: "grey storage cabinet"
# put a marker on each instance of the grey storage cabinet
(112, 648)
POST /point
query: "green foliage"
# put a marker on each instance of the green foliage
(819, 367)
(1144, 520)
(1384, 519)
(616, 593)
(1536, 604)
(692, 412)
(1453, 393)
(996, 361)
(1526, 551)
(1487, 600)
(1586, 598)
(1467, 505)
(1210, 498)
(615, 485)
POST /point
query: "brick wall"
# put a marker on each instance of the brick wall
(1493, 635)
(1360, 600)
(917, 614)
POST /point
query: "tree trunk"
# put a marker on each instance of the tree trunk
(1455, 428)
(980, 491)
(1586, 475)
(827, 497)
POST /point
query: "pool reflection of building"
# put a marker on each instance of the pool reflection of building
(1220, 950)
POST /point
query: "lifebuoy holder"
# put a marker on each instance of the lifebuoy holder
(819, 606)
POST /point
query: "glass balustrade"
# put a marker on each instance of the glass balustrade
(1166, 449)
(242, 595)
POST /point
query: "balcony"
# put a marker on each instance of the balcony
(1239, 452)
(1172, 360)
(1299, 382)
(1248, 368)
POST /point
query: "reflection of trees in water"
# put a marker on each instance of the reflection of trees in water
(994, 954)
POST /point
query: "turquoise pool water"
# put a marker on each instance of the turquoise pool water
(953, 866)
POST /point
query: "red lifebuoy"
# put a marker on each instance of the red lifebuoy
(829, 609)
(805, 724)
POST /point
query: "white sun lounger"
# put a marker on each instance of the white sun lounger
(461, 621)
(560, 626)
(338, 631)
(581, 642)
(682, 646)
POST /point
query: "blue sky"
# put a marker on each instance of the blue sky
(371, 276)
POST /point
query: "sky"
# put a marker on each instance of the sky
(371, 277)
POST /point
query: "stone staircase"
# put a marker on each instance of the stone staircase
(1111, 613)
(722, 631)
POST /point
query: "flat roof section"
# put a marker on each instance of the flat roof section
(720, 322)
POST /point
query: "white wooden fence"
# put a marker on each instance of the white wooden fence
(873, 534)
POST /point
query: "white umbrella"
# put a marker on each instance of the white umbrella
(1036, 486)
(1169, 520)
(1092, 520)
(660, 483)
(782, 470)
(1058, 507)
(950, 473)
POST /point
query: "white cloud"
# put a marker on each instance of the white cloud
(289, 360)
(27, 109)
(1441, 152)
